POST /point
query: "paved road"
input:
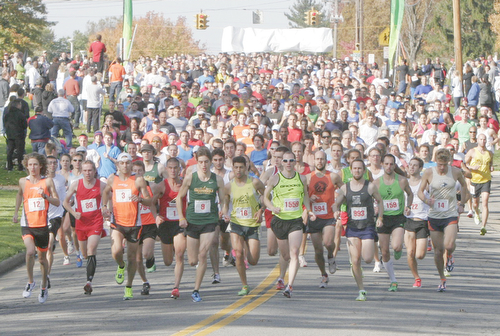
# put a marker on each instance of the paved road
(469, 307)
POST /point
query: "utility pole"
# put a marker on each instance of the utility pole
(336, 19)
(458, 39)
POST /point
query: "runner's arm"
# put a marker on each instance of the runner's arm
(69, 194)
(145, 199)
(267, 194)
(19, 199)
(52, 197)
(182, 193)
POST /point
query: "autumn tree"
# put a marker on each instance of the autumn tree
(155, 35)
(22, 23)
(298, 11)
(494, 20)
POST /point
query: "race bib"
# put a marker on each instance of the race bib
(391, 205)
(441, 205)
(417, 207)
(292, 204)
(89, 205)
(143, 209)
(202, 206)
(244, 213)
(260, 168)
(358, 213)
(172, 213)
(36, 204)
(123, 195)
(319, 208)
(414, 78)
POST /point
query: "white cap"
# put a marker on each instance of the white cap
(151, 106)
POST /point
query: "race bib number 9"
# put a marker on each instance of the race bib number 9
(202, 206)
(123, 195)
(391, 205)
(36, 204)
(244, 213)
(292, 204)
(172, 213)
(358, 213)
(89, 205)
(319, 208)
(441, 205)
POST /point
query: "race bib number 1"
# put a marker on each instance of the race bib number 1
(172, 213)
(36, 204)
(202, 206)
(441, 205)
(319, 208)
(89, 205)
(123, 195)
(391, 205)
(292, 204)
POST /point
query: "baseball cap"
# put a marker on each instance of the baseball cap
(393, 93)
(257, 114)
(81, 149)
(149, 148)
(151, 106)
(97, 133)
(434, 121)
(276, 128)
(124, 157)
(308, 92)
(156, 120)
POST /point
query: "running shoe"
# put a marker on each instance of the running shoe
(418, 283)
(44, 294)
(477, 218)
(442, 287)
(280, 285)
(324, 281)
(483, 231)
(393, 287)
(332, 265)
(397, 254)
(48, 282)
(215, 278)
(429, 244)
(450, 263)
(87, 289)
(244, 291)
(71, 247)
(128, 293)
(196, 296)
(29, 288)
(79, 261)
(470, 214)
(246, 264)
(145, 288)
(175, 293)
(120, 275)
(233, 258)
(151, 269)
(302, 261)
(446, 273)
(66, 261)
(377, 268)
(361, 296)
(288, 291)
(226, 261)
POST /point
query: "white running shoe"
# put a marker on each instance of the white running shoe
(332, 265)
(302, 261)
(477, 218)
(377, 267)
(324, 281)
(71, 247)
(42, 297)
(66, 261)
(29, 288)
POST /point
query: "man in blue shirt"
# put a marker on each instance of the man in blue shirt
(108, 153)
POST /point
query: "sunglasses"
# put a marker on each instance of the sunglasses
(77, 160)
(289, 160)
(273, 148)
(254, 129)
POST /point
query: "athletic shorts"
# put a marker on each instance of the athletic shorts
(131, 233)
(148, 231)
(283, 227)
(40, 236)
(84, 232)
(391, 223)
(363, 234)
(268, 216)
(55, 224)
(247, 232)
(318, 225)
(478, 188)
(223, 226)
(419, 227)
(195, 231)
(168, 230)
(439, 224)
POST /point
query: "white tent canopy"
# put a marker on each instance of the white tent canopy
(276, 40)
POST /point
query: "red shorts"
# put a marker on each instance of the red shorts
(268, 215)
(83, 233)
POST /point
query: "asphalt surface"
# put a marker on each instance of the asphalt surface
(470, 306)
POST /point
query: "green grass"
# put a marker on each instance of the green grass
(11, 242)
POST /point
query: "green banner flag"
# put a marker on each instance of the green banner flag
(397, 12)
(127, 27)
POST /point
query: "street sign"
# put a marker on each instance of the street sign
(386, 52)
(371, 58)
(383, 38)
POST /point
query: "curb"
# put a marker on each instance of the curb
(12, 263)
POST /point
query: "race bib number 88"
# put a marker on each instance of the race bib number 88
(89, 205)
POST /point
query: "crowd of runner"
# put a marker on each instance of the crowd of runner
(196, 151)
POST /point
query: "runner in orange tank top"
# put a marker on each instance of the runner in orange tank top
(36, 193)
(125, 192)
(322, 185)
(88, 216)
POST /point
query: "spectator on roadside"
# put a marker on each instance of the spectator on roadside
(61, 110)
(94, 94)
(97, 48)
(40, 127)
(15, 126)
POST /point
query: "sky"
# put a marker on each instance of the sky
(74, 15)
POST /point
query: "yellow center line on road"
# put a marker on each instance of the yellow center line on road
(255, 292)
